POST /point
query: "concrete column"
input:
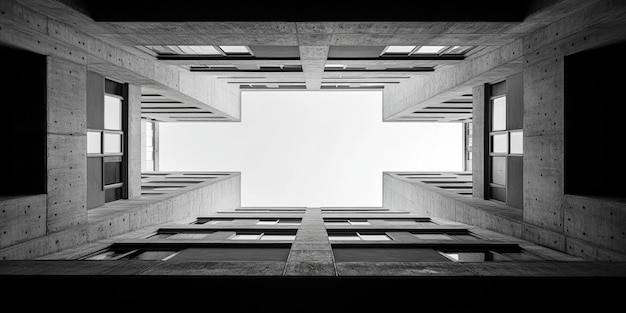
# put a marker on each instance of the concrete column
(67, 145)
(134, 141)
(478, 142)
(313, 62)
(311, 253)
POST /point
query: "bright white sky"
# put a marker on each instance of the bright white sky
(311, 148)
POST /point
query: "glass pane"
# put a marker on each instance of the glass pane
(149, 154)
(112, 143)
(430, 49)
(112, 194)
(498, 170)
(112, 113)
(344, 238)
(112, 172)
(517, 142)
(247, 237)
(279, 237)
(149, 167)
(498, 193)
(94, 142)
(498, 114)
(375, 237)
(458, 49)
(433, 237)
(499, 143)
(466, 256)
(399, 49)
(235, 49)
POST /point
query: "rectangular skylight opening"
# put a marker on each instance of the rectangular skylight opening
(398, 49)
(430, 49)
(235, 49)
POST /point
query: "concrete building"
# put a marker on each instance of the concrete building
(86, 84)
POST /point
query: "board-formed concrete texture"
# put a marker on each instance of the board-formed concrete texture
(429, 230)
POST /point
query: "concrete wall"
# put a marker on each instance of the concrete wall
(581, 226)
(588, 225)
(67, 143)
(478, 142)
(420, 198)
(111, 219)
(134, 141)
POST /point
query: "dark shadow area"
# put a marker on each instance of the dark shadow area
(594, 122)
(289, 11)
(23, 126)
(312, 293)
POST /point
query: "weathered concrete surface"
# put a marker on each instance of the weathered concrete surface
(478, 142)
(311, 253)
(420, 92)
(22, 218)
(419, 198)
(66, 157)
(26, 28)
(588, 227)
(135, 131)
(124, 216)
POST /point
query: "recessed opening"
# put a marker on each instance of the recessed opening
(594, 123)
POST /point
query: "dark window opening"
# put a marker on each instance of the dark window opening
(594, 114)
(24, 122)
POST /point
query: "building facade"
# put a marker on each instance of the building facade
(95, 79)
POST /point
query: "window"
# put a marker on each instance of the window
(112, 143)
(505, 143)
(191, 50)
(466, 256)
(427, 51)
(112, 113)
(517, 142)
(235, 50)
(398, 49)
(150, 159)
(430, 49)
(346, 222)
(264, 236)
(106, 110)
(358, 236)
(94, 142)
(284, 222)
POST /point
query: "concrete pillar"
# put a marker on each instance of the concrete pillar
(134, 141)
(313, 62)
(311, 252)
(478, 142)
(67, 144)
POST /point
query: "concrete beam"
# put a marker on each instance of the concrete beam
(420, 92)
(313, 60)
(25, 28)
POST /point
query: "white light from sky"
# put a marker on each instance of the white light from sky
(311, 148)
